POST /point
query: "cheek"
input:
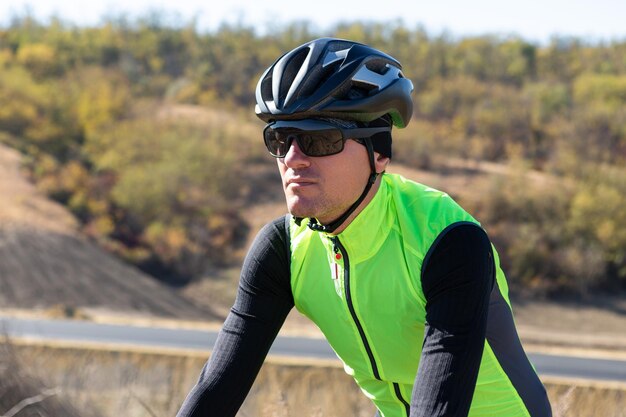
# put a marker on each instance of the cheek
(350, 176)
(349, 182)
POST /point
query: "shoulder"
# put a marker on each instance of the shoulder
(420, 197)
(459, 240)
(267, 261)
(277, 228)
(271, 241)
(423, 212)
(460, 257)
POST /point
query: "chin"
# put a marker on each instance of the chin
(295, 212)
(299, 208)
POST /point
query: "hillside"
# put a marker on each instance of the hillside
(45, 264)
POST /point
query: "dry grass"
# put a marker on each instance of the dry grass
(134, 384)
(22, 394)
(587, 401)
(291, 390)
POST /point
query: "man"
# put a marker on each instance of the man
(403, 283)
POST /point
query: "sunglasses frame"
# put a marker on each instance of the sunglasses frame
(318, 126)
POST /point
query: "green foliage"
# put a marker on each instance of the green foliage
(102, 97)
(560, 238)
(493, 118)
(231, 62)
(597, 217)
(446, 98)
(20, 101)
(548, 100)
(173, 181)
(39, 59)
(164, 162)
(34, 112)
(607, 89)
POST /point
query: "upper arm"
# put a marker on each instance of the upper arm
(264, 284)
(458, 275)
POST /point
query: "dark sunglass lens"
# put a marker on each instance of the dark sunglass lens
(307, 144)
(312, 143)
(276, 142)
(328, 142)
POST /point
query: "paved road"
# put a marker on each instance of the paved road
(202, 340)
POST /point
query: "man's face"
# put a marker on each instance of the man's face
(323, 187)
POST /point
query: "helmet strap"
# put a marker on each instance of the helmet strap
(332, 226)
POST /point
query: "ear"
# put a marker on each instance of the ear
(381, 162)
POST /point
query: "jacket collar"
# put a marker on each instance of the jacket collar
(368, 231)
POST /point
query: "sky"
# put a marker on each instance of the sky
(534, 20)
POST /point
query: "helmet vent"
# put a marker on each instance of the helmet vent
(359, 91)
(266, 87)
(378, 66)
(291, 70)
(317, 78)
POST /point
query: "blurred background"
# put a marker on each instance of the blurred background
(133, 178)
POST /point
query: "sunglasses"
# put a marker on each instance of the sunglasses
(314, 137)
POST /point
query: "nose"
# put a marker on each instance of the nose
(295, 158)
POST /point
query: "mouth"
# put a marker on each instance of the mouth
(300, 182)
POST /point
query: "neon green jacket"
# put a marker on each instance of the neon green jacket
(363, 290)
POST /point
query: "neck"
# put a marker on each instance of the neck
(370, 195)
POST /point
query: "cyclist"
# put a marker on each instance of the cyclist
(404, 284)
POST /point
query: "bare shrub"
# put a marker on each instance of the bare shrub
(25, 395)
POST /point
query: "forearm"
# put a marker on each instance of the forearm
(263, 301)
(447, 375)
(235, 361)
(457, 282)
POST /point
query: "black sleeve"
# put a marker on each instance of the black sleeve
(457, 278)
(263, 301)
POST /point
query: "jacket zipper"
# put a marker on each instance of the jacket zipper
(338, 248)
(407, 406)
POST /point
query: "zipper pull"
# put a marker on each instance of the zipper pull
(335, 239)
(334, 266)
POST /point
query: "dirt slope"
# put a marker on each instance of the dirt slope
(45, 263)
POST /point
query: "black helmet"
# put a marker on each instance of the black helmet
(335, 78)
